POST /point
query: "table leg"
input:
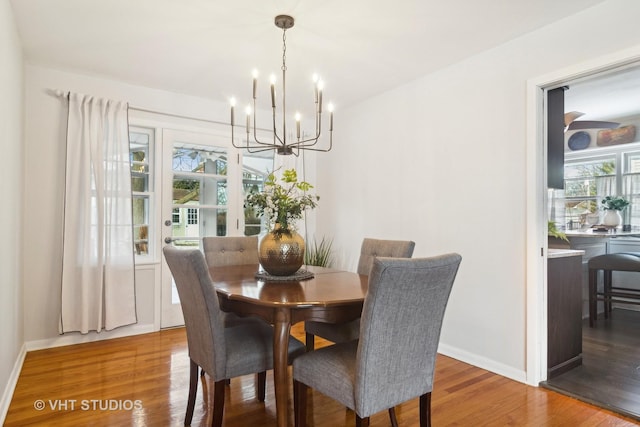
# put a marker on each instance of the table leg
(282, 329)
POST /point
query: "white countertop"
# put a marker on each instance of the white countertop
(561, 253)
(589, 232)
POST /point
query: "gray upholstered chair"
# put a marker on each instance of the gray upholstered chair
(370, 249)
(223, 251)
(394, 359)
(220, 251)
(222, 352)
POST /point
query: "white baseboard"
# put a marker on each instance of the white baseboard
(78, 338)
(7, 395)
(483, 362)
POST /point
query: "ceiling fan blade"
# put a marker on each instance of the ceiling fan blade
(592, 124)
(571, 116)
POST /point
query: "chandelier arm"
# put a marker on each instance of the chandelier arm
(276, 137)
(261, 145)
(315, 140)
(323, 150)
(303, 143)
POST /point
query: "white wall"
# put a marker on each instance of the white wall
(11, 123)
(442, 161)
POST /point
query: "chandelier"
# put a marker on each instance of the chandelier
(279, 143)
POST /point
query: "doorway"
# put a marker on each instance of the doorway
(538, 210)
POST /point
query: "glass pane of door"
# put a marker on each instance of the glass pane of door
(197, 200)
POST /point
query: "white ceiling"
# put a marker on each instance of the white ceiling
(208, 48)
(608, 96)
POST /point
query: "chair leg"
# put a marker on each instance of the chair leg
(261, 385)
(392, 417)
(218, 403)
(193, 388)
(425, 410)
(362, 422)
(593, 302)
(310, 341)
(300, 403)
(608, 276)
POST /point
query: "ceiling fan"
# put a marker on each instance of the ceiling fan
(570, 122)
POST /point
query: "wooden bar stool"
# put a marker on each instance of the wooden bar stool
(625, 261)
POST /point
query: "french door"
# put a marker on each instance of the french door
(204, 180)
(199, 198)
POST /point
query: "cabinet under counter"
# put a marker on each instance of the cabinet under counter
(564, 310)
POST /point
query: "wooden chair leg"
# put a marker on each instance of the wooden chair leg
(218, 403)
(310, 341)
(193, 388)
(425, 410)
(608, 276)
(362, 422)
(261, 385)
(300, 403)
(392, 417)
(202, 375)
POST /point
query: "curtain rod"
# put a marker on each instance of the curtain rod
(179, 116)
(64, 94)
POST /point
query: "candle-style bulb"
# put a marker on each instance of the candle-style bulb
(330, 107)
(255, 82)
(320, 87)
(315, 87)
(298, 117)
(273, 90)
(248, 111)
(232, 101)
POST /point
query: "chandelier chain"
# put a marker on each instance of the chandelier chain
(284, 50)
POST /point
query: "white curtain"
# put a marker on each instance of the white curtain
(631, 190)
(98, 290)
(605, 186)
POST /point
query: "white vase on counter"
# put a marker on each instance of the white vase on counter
(612, 218)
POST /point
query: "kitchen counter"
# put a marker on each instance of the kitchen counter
(562, 253)
(590, 232)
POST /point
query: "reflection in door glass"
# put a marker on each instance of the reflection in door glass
(141, 186)
(255, 168)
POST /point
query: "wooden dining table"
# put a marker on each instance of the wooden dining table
(331, 296)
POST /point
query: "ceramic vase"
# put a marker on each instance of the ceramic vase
(612, 218)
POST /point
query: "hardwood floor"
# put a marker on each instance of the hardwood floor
(143, 381)
(610, 373)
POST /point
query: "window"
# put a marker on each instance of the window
(589, 177)
(585, 183)
(140, 157)
(192, 216)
